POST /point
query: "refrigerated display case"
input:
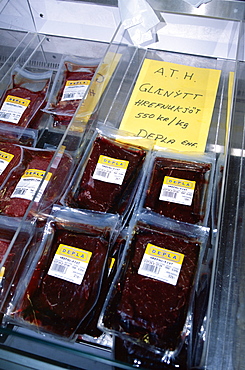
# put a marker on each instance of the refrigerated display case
(210, 37)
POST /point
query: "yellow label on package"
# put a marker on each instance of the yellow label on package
(5, 159)
(172, 104)
(2, 272)
(75, 89)
(29, 183)
(17, 100)
(177, 190)
(77, 82)
(39, 174)
(110, 170)
(161, 264)
(12, 109)
(70, 263)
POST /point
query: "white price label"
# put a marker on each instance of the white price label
(110, 170)
(29, 183)
(13, 108)
(5, 159)
(161, 264)
(176, 190)
(70, 263)
(75, 90)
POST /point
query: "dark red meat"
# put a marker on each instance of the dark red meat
(37, 99)
(3, 247)
(103, 196)
(57, 305)
(72, 73)
(91, 323)
(18, 260)
(38, 160)
(184, 170)
(17, 206)
(150, 310)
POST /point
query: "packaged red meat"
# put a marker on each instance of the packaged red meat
(15, 237)
(10, 157)
(109, 174)
(180, 186)
(70, 85)
(64, 282)
(89, 331)
(150, 299)
(29, 180)
(24, 98)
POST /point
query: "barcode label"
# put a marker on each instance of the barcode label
(13, 108)
(4, 115)
(161, 264)
(69, 96)
(74, 92)
(70, 264)
(103, 173)
(60, 268)
(177, 191)
(155, 269)
(110, 170)
(19, 191)
(28, 185)
(169, 194)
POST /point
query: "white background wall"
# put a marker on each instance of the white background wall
(183, 33)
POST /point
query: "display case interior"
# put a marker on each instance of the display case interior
(106, 102)
(13, 44)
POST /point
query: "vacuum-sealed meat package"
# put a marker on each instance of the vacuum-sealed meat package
(24, 98)
(70, 85)
(64, 282)
(10, 157)
(30, 179)
(90, 331)
(108, 178)
(151, 295)
(13, 246)
(180, 188)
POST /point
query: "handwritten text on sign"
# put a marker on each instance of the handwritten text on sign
(172, 104)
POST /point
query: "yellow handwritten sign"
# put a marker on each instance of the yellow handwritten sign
(172, 104)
